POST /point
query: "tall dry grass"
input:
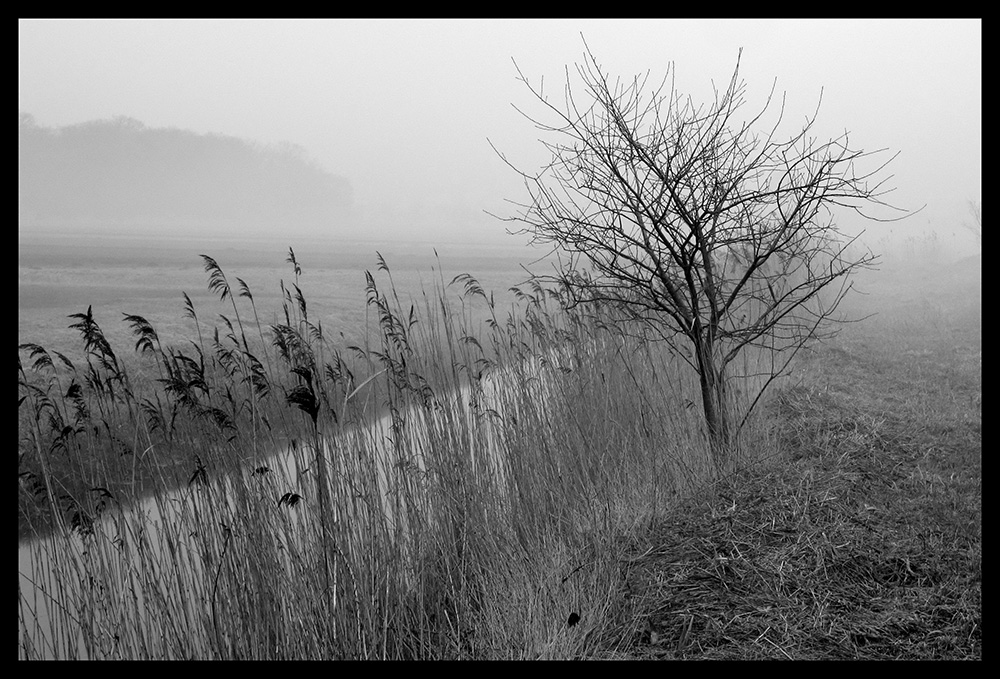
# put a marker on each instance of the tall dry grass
(461, 486)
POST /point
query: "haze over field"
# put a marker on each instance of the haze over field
(288, 389)
(405, 110)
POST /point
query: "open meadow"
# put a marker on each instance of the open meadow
(59, 275)
(422, 464)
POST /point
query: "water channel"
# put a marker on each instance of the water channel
(103, 581)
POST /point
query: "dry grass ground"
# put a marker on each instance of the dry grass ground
(863, 539)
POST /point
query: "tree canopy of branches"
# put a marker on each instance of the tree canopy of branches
(716, 237)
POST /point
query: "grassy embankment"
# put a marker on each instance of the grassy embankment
(863, 540)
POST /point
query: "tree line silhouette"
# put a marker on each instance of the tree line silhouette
(121, 174)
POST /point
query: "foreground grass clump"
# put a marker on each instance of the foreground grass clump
(863, 539)
(457, 487)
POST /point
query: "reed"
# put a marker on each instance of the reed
(455, 487)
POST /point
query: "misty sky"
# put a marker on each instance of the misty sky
(403, 108)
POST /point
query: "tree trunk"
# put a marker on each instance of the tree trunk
(714, 402)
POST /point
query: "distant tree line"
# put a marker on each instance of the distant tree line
(120, 173)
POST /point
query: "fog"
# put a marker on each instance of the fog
(405, 110)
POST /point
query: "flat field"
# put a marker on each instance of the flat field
(63, 275)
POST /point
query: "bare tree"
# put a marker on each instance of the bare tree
(715, 237)
(976, 210)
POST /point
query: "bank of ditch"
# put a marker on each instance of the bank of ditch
(862, 539)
